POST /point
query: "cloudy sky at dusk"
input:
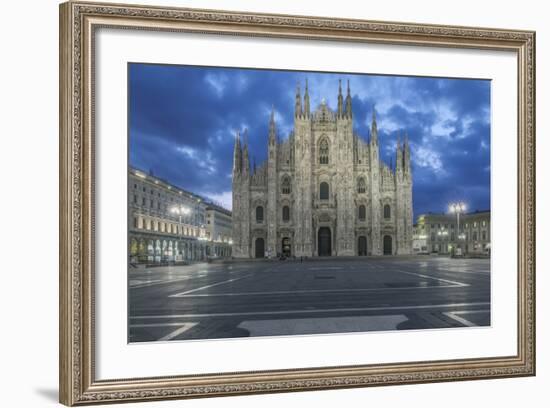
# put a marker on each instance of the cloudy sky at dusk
(182, 123)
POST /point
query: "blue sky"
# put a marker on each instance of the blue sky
(183, 119)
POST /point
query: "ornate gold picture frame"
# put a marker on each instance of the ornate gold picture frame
(78, 24)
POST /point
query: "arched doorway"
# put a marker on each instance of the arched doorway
(142, 251)
(133, 247)
(324, 242)
(150, 251)
(260, 248)
(286, 252)
(157, 250)
(362, 246)
(387, 245)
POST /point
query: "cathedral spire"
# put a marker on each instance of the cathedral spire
(272, 128)
(246, 161)
(298, 104)
(245, 137)
(374, 127)
(406, 154)
(237, 155)
(340, 100)
(348, 103)
(306, 101)
(399, 155)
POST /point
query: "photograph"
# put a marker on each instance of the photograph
(268, 202)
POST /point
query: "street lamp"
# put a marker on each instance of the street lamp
(458, 208)
(180, 211)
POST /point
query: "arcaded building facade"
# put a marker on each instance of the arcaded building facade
(323, 191)
(157, 233)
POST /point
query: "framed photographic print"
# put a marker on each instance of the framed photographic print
(262, 203)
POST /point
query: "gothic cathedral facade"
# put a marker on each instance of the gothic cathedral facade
(324, 191)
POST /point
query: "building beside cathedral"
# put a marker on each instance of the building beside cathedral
(323, 191)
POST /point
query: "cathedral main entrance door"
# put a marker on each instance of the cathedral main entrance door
(286, 247)
(324, 242)
(362, 246)
(387, 245)
(260, 248)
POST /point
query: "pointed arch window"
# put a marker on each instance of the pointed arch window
(323, 152)
(387, 211)
(285, 185)
(286, 213)
(361, 185)
(259, 214)
(362, 212)
(323, 191)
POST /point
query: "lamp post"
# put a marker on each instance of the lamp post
(458, 208)
(180, 211)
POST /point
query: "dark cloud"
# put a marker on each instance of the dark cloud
(183, 119)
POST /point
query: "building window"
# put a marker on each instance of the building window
(259, 214)
(135, 199)
(286, 213)
(323, 152)
(285, 185)
(452, 236)
(323, 191)
(135, 222)
(474, 235)
(362, 213)
(361, 186)
(387, 211)
(484, 223)
(143, 201)
(483, 235)
(432, 237)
